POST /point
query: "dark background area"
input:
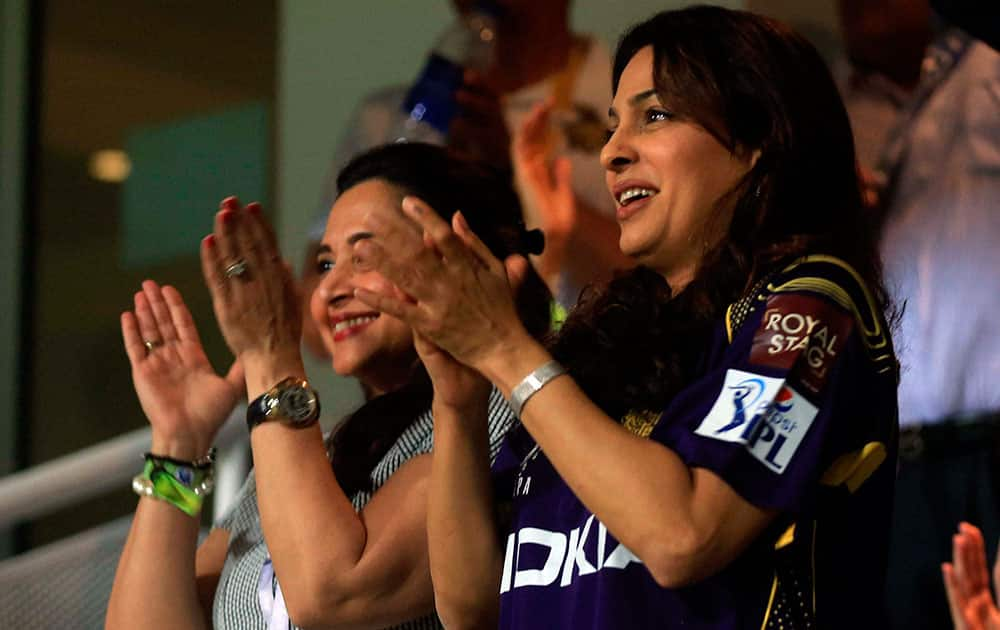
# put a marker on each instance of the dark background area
(104, 68)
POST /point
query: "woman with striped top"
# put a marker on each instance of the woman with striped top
(327, 533)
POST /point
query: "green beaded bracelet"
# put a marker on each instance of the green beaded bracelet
(183, 485)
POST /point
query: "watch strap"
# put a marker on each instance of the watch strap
(257, 410)
(266, 407)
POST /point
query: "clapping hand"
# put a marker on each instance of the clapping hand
(461, 297)
(967, 582)
(184, 399)
(254, 295)
(455, 385)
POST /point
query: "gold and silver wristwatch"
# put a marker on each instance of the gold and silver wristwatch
(291, 402)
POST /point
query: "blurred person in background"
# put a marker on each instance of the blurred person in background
(967, 581)
(924, 97)
(538, 60)
(326, 532)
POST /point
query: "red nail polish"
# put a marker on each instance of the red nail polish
(253, 207)
(231, 203)
(228, 216)
(209, 240)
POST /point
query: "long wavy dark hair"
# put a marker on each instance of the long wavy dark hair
(488, 201)
(755, 85)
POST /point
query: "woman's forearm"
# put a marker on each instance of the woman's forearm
(299, 498)
(313, 534)
(683, 523)
(155, 582)
(597, 457)
(336, 567)
(339, 568)
(465, 558)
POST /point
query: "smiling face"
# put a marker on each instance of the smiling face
(668, 176)
(375, 348)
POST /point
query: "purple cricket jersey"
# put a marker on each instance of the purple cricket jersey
(795, 408)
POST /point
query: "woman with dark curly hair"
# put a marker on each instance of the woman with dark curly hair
(708, 442)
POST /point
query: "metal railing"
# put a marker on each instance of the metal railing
(110, 465)
(65, 584)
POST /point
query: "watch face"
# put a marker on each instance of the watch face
(297, 403)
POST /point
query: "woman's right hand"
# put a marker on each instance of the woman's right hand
(184, 399)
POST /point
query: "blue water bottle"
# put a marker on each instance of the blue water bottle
(430, 105)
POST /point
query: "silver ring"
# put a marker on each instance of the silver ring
(151, 345)
(236, 269)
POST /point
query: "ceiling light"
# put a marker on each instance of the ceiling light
(110, 165)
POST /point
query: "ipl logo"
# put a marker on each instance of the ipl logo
(745, 396)
(766, 415)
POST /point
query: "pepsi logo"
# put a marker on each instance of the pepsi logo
(764, 414)
(784, 401)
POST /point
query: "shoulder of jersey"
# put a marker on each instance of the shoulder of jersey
(834, 280)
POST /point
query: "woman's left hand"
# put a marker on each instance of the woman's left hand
(967, 582)
(456, 386)
(461, 294)
(253, 294)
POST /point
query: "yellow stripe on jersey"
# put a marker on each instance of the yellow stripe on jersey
(868, 316)
(770, 602)
(729, 323)
(812, 560)
(854, 468)
(869, 319)
(787, 538)
(790, 604)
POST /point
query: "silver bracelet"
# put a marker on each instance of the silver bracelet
(537, 379)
